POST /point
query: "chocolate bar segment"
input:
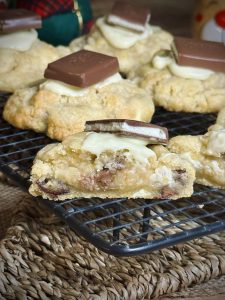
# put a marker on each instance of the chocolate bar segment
(83, 68)
(198, 53)
(125, 14)
(153, 133)
(18, 19)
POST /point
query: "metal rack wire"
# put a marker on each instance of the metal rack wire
(124, 226)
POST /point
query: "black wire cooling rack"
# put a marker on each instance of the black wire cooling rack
(124, 226)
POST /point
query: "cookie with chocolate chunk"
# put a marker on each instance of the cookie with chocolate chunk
(70, 96)
(23, 57)
(205, 152)
(189, 78)
(108, 165)
(126, 33)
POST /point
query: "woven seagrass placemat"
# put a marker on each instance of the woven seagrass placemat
(8, 201)
(41, 258)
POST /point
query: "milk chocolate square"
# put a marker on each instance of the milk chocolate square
(131, 16)
(83, 68)
(198, 53)
(18, 19)
(152, 133)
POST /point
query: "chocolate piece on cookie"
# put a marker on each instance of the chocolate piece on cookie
(152, 133)
(201, 54)
(18, 19)
(83, 68)
(130, 16)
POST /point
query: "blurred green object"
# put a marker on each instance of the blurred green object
(61, 28)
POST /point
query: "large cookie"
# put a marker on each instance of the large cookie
(59, 115)
(130, 58)
(109, 166)
(19, 69)
(205, 153)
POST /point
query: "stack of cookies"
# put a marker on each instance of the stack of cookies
(98, 101)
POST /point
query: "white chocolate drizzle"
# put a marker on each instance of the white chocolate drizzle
(216, 143)
(161, 62)
(119, 37)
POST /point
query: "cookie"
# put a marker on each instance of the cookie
(134, 44)
(144, 49)
(23, 57)
(81, 86)
(205, 153)
(20, 69)
(90, 164)
(59, 115)
(180, 94)
(183, 88)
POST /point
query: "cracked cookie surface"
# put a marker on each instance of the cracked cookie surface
(21, 69)
(180, 94)
(205, 152)
(59, 116)
(66, 170)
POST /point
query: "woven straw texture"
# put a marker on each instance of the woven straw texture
(8, 202)
(41, 258)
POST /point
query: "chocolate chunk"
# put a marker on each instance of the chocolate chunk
(180, 171)
(201, 54)
(53, 187)
(152, 133)
(180, 175)
(167, 192)
(18, 19)
(103, 179)
(83, 68)
(128, 15)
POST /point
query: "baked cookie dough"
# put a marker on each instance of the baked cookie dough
(205, 153)
(190, 77)
(49, 109)
(19, 69)
(131, 57)
(180, 94)
(109, 166)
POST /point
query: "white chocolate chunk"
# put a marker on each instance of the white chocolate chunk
(124, 23)
(163, 176)
(121, 38)
(64, 89)
(216, 168)
(161, 62)
(97, 143)
(216, 144)
(20, 40)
